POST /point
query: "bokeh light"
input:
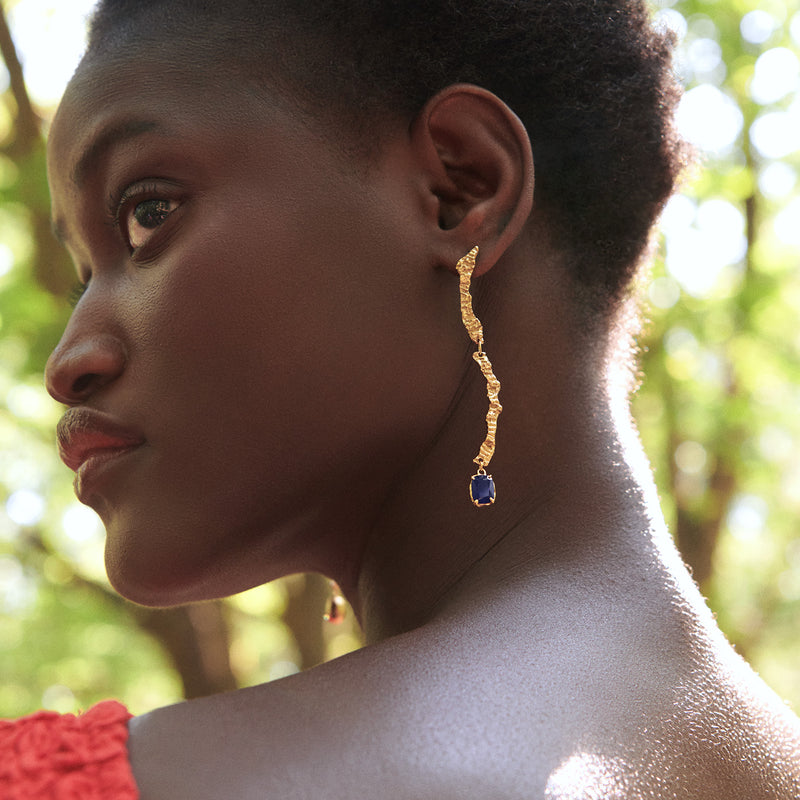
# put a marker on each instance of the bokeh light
(697, 256)
(776, 74)
(757, 26)
(747, 517)
(709, 119)
(776, 134)
(50, 39)
(25, 507)
(777, 180)
(81, 524)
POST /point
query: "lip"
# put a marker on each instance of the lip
(85, 435)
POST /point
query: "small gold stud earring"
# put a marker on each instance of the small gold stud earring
(336, 606)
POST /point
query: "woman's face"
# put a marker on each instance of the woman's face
(261, 337)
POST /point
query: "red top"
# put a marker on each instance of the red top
(52, 756)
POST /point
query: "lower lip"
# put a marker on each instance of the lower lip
(95, 466)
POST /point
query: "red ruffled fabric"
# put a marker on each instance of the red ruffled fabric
(63, 757)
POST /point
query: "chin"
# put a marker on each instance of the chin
(151, 593)
(155, 582)
(159, 558)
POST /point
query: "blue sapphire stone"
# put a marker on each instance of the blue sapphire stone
(481, 490)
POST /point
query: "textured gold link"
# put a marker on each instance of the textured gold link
(465, 267)
(492, 390)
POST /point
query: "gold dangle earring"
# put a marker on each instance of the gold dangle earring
(336, 605)
(481, 486)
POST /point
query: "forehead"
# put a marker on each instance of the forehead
(127, 96)
(122, 103)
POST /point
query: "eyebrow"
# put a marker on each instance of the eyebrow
(99, 146)
(105, 141)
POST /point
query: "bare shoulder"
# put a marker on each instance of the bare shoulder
(511, 712)
(442, 713)
(724, 733)
(729, 733)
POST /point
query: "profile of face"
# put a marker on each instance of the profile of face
(262, 346)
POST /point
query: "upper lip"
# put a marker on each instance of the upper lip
(83, 433)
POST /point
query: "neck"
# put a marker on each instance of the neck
(573, 487)
(568, 493)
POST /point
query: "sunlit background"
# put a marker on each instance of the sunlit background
(718, 406)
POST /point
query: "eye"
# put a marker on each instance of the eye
(138, 225)
(139, 210)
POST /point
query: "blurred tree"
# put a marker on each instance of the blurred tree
(717, 408)
(718, 404)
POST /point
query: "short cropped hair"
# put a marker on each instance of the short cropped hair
(590, 79)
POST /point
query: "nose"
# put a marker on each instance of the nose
(81, 365)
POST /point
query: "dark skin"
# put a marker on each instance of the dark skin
(286, 339)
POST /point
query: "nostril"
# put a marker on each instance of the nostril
(82, 385)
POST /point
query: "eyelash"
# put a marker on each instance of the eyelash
(77, 291)
(139, 192)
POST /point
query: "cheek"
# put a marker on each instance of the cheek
(278, 376)
(279, 351)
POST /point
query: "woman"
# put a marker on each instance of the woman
(273, 211)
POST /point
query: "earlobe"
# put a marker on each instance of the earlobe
(479, 165)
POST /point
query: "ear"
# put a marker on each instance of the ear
(478, 162)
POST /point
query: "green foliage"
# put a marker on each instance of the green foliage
(718, 405)
(69, 646)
